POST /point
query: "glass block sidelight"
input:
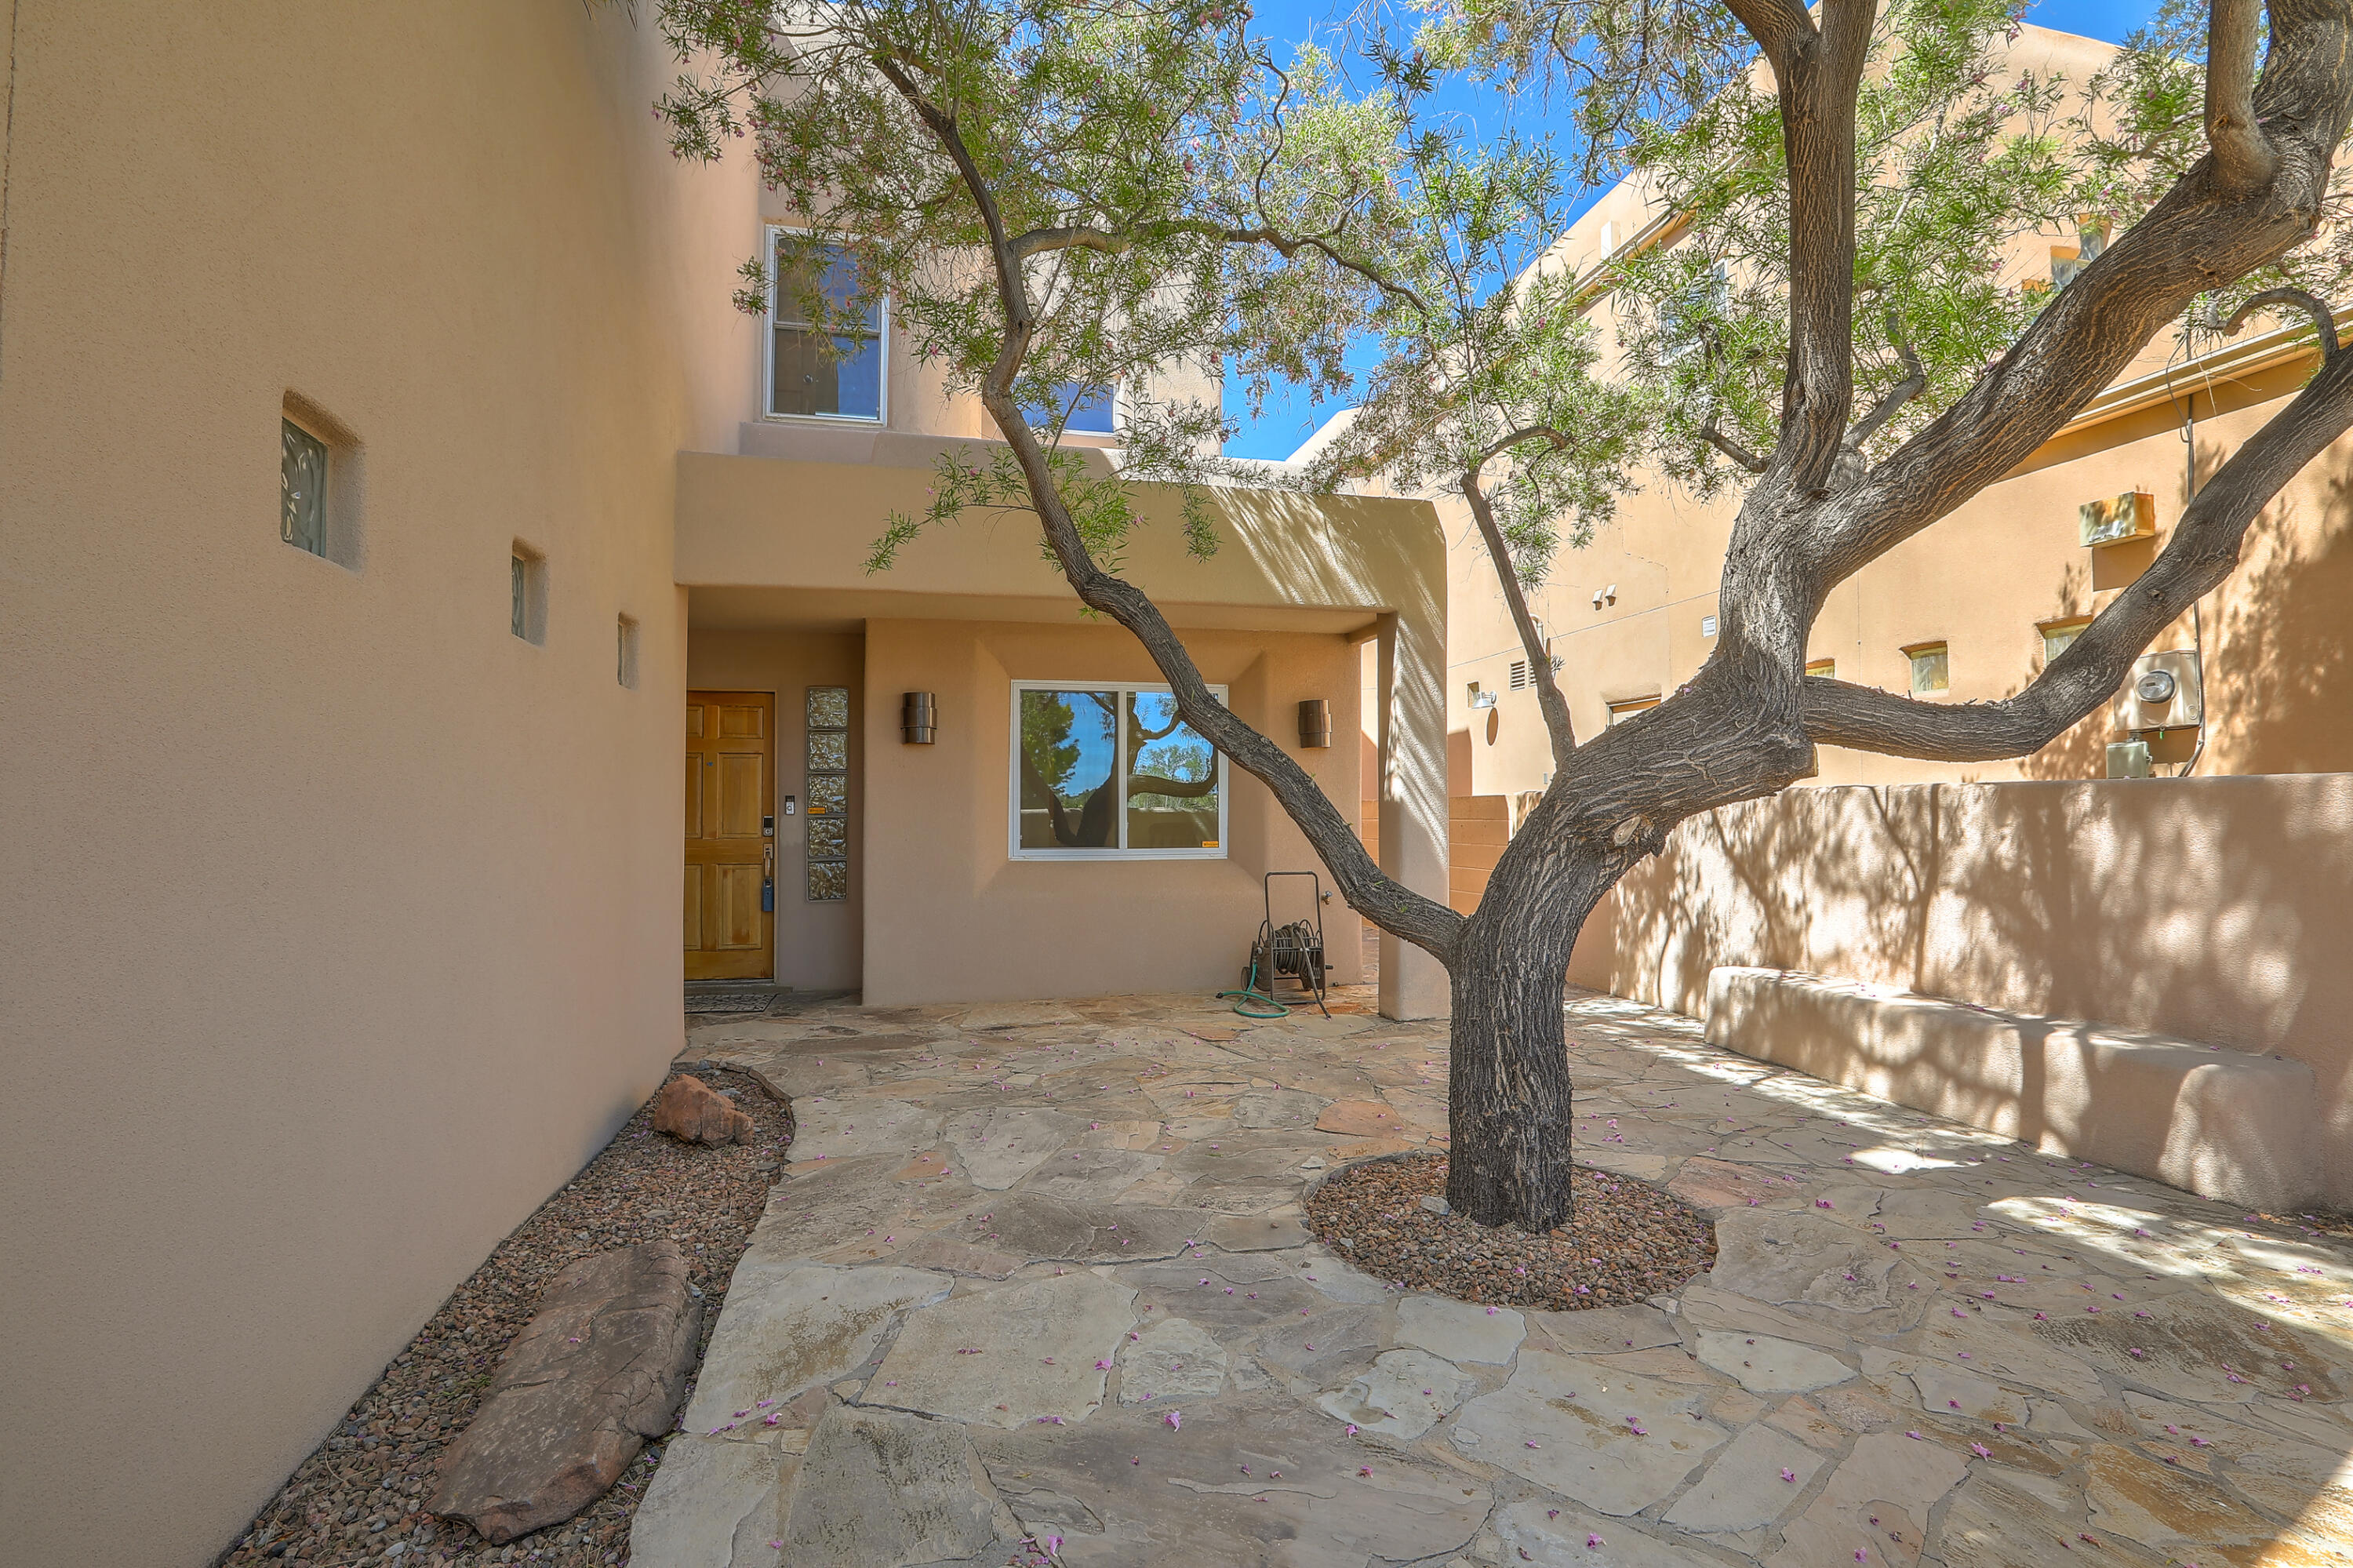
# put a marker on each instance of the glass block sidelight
(302, 487)
(829, 838)
(829, 707)
(826, 849)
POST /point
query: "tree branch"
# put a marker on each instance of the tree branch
(1914, 382)
(1730, 448)
(1817, 81)
(1548, 698)
(2324, 320)
(2189, 243)
(2243, 155)
(2201, 553)
(1077, 237)
(1288, 245)
(1388, 904)
(1781, 28)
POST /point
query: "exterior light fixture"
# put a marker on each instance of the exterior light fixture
(1314, 723)
(919, 719)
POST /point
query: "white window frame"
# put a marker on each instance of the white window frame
(768, 352)
(1119, 771)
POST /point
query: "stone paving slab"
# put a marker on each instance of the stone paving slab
(1049, 1293)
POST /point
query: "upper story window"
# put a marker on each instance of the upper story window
(813, 374)
(1084, 410)
(1107, 771)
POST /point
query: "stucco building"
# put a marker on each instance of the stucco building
(1972, 607)
(343, 847)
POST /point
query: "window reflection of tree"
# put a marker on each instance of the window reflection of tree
(1160, 779)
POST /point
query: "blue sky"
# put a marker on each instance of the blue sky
(1289, 417)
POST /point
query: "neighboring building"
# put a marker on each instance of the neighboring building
(343, 842)
(1973, 607)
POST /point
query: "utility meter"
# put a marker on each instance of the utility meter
(2155, 686)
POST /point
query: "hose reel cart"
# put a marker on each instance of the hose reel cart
(1293, 951)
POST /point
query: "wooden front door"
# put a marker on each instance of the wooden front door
(731, 795)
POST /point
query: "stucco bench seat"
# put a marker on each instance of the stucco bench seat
(2223, 1124)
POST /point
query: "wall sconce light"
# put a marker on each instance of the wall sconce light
(1314, 723)
(918, 719)
(1481, 700)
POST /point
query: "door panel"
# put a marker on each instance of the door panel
(730, 788)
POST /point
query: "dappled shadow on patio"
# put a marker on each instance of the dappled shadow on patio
(1036, 1286)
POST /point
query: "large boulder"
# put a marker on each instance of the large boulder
(690, 1109)
(599, 1369)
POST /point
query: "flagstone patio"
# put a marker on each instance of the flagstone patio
(1036, 1286)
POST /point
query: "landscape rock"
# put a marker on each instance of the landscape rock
(599, 1369)
(693, 1112)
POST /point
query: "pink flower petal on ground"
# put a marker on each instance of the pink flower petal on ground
(1175, 1419)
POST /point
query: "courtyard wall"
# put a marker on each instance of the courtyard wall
(2214, 909)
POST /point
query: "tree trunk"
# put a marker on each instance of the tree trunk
(1508, 1159)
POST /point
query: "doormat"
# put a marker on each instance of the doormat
(730, 1000)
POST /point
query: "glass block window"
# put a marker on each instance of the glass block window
(1932, 669)
(814, 373)
(302, 487)
(527, 594)
(1107, 771)
(828, 787)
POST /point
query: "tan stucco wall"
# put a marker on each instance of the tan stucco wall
(2213, 909)
(339, 926)
(951, 915)
(817, 944)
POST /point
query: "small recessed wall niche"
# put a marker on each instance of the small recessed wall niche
(319, 488)
(527, 594)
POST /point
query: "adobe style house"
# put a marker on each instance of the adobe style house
(401, 537)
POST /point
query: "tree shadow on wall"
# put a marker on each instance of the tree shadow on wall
(2279, 670)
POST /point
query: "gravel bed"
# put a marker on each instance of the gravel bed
(1629, 1241)
(358, 1497)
